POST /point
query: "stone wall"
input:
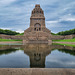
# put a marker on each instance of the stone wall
(73, 36)
(68, 37)
(53, 37)
(11, 37)
(57, 37)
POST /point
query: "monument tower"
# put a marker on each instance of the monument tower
(37, 32)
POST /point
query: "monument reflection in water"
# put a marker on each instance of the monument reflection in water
(38, 52)
(37, 55)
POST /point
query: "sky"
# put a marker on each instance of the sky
(59, 14)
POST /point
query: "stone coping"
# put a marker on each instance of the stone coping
(10, 42)
(73, 43)
(36, 71)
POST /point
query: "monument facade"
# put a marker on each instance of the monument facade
(37, 32)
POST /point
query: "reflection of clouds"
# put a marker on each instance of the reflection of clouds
(71, 63)
(57, 59)
(15, 59)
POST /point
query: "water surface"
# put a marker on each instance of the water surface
(37, 56)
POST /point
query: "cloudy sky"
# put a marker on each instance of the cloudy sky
(59, 14)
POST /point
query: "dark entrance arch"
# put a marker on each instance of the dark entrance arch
(37, 27)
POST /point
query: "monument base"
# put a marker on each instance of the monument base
(37, 41)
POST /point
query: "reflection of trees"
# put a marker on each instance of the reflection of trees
(7, 51)
(71, 52)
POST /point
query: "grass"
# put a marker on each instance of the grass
(66, 40)
(65, 44)
(7, 40)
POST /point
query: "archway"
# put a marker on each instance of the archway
(37, 27)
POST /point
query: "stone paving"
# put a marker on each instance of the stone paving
(10, 42)
(73, 43)
(37, 71)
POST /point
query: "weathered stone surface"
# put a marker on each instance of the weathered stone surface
(37, 71)
(53, 37)
(37, 32)
(11, 37)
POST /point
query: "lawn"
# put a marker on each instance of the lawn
(64, 44)
(5, 40)
(65, 40)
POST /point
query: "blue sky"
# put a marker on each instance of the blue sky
(59, 14)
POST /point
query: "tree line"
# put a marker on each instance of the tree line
(8, 32)
(67, 32)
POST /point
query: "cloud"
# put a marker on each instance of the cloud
(6, 28)
(68, 19)
(15, 14)
(20, 31)
(6, 2)
(51, 22)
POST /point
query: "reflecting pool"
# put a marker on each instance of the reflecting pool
(37, 56)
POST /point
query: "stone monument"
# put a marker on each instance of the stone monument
(37, 32)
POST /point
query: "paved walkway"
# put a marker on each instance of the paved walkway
(10, 42)
(42, 71)
(73, 43)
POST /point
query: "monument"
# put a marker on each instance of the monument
(37, 32)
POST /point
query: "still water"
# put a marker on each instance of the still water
(37, 56)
